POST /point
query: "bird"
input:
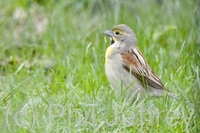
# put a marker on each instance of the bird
(127, 69)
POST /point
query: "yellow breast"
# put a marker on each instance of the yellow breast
(109, 52)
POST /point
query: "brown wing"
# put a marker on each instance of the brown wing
(135, 63)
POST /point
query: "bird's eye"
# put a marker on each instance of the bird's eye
(117, 33)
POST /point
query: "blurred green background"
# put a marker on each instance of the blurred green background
(52, 52)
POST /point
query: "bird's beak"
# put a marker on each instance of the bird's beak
(108, 33)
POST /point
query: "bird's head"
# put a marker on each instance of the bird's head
(122, 34)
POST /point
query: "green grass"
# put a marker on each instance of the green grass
(53, 80)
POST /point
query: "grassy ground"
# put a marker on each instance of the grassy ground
(52, 66)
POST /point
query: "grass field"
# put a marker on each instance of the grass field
(52, 66)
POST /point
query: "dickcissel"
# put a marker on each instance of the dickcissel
(127, 69)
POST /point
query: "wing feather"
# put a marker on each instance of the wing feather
(135, 63)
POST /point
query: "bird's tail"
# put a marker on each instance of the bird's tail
(173, 95)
